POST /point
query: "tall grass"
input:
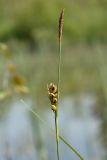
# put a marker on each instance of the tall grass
(54, 93)
(53, 90)
(59, 77)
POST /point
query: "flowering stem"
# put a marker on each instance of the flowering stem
(57, 133)
(59, 77)
(56, 112)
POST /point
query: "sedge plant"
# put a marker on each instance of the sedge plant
(53, 90)
(53, 94)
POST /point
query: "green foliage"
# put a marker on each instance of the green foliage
(85, 20)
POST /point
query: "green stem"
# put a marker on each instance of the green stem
(72, 148)
(45, 123)
(57, 133)
(59, 68)
(56, 113)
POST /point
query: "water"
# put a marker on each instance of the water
(16, 141)
(19, 137)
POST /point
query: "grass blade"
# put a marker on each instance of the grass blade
(46, 124)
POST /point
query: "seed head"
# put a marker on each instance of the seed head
(53, 95)
(61, 19)
(52, 88)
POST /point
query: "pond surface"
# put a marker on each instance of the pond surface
(24, 137)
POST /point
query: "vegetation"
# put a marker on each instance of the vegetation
(36, 20)
(29, 28)
(13, 82)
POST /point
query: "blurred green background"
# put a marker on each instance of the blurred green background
(85, 21)
(30, 29)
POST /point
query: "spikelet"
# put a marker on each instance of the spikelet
(53, 96)
(61, 19)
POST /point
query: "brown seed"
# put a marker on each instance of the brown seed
(53, 95)
(54, 101)
(52, 88)
(53, 107)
